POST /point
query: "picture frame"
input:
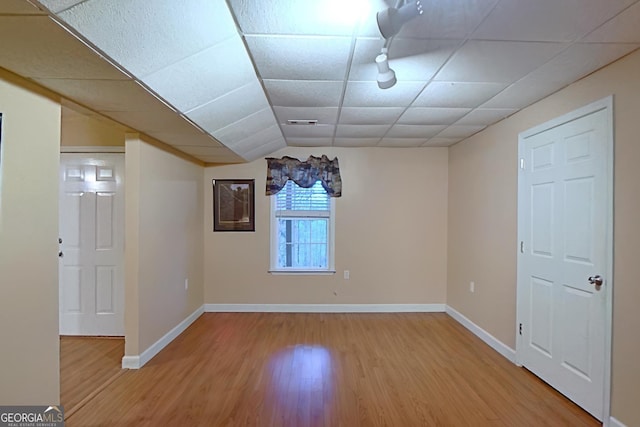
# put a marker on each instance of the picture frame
(234, 205)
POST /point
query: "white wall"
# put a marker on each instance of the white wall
(391, 224)
(29, 343)
(483, 213)
(164, 242)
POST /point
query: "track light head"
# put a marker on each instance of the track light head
(391, 20)
(386, 76)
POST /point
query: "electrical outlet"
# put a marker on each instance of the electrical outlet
(186, 284)
(346, 275)
(472, 286)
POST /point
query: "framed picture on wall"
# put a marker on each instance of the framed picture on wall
(234, 205)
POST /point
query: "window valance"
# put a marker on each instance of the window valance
(305, 174)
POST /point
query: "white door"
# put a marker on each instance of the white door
(92, 244)
(563, 213)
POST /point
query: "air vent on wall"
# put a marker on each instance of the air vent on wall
(302, 122)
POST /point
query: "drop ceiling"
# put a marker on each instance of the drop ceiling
(220, 80)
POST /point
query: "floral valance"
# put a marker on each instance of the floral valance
(305, 174)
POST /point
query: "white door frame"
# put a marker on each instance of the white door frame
(602, 104)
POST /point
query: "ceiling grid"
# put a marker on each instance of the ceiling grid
(220, 80)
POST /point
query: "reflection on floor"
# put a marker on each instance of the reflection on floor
(86, 364)
(285, 369)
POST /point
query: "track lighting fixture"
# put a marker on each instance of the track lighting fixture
(386, 76)
(391, 20)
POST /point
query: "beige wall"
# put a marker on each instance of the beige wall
(29, 366)
(482, 221)
(164, 242)
(82, 130)
(390, 233)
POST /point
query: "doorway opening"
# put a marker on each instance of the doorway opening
(91, 274)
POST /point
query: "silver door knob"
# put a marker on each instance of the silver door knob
(596, 280)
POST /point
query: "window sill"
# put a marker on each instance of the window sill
(302, 272)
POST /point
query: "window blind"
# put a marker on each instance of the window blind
(295, 198)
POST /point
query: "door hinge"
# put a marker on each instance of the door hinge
(522, 246)
(520, 329)
(522, 163)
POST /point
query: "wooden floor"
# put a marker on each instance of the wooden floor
(86, 363)
(259, 369)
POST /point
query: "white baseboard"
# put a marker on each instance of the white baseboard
(137, 362)
(615, 423)
(324, 308)
(131, 362)
(485, 336)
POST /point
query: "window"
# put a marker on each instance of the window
(302, 229)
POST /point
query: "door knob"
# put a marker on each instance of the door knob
(596, 280)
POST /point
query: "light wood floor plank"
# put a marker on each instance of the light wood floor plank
(85, 364)
(275, 369)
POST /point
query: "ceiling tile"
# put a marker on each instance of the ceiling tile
(365, 94)
(521, 94)
(497, 61)
(291, 93)
(453, 19)
(264, 149)
(369, 116)
(56, 6)
(19, 7)
(576, 62)
(129, 32)
(432, 116)
(414, 131)
(103, 95)
(441, 142)
(52, 51)
(485, 116)
(356, 142)
(411, 59)
(457, 95)
(460, 131)
(257, 139)
(325, 116)
(300, 58)
(253, 145)
(402, 142)
(621, 29)
(327, 18)
(212, 73)
(230, 107)
(547, 20)
(309, 142)
(361, 131)
(308, 131)
(246, 127)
